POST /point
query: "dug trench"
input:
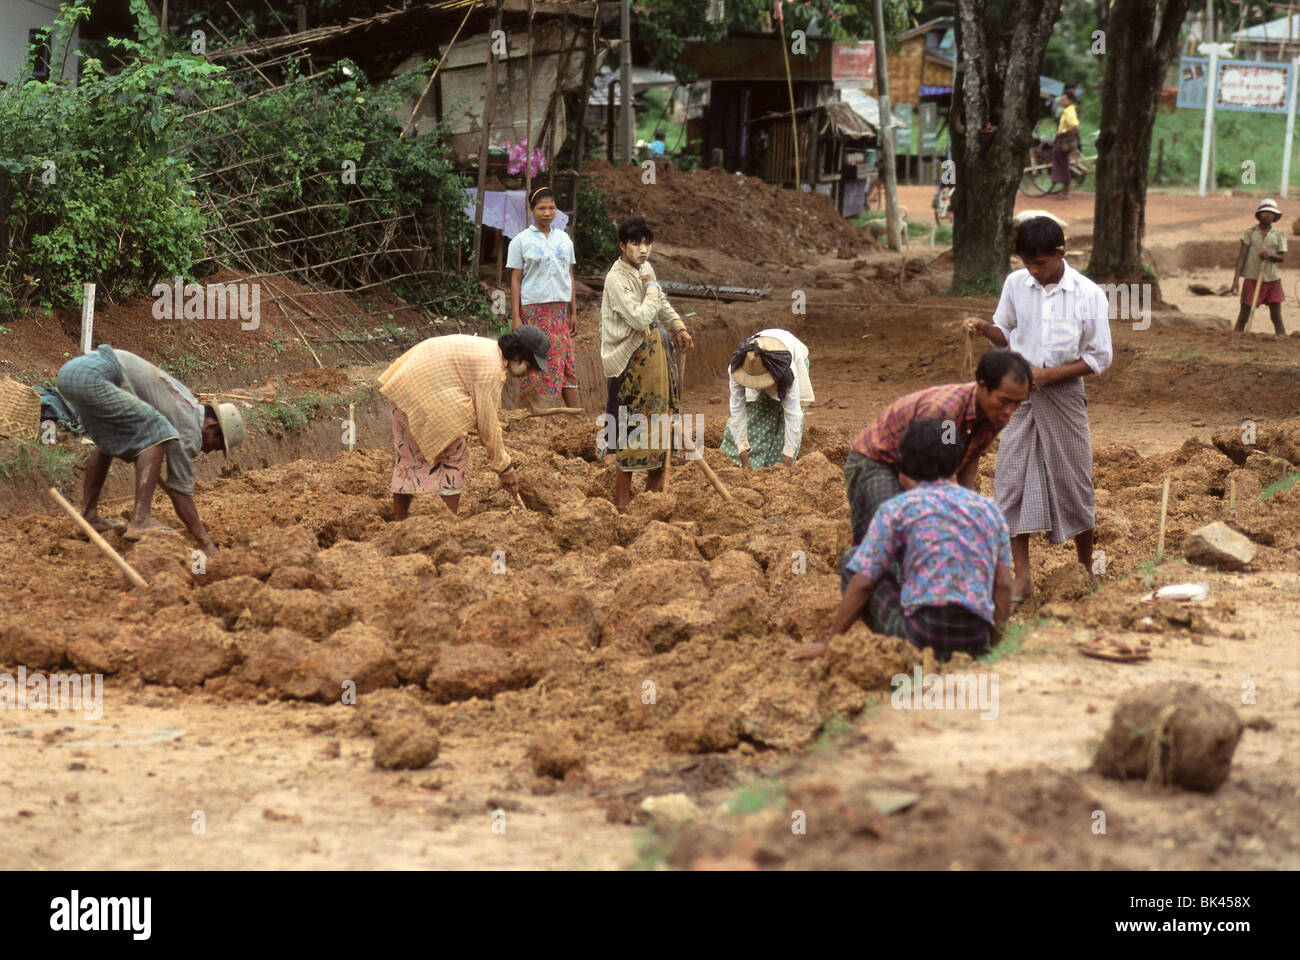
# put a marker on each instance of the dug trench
(617, 658)
(592, 654)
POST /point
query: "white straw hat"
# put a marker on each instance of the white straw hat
(1268, 206)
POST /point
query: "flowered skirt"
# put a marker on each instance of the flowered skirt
(562, 371)
(412, 473)
(644, 397)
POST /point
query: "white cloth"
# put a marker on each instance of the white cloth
(507, 210)
(546, 260)
(1052, 328)
(792, 405)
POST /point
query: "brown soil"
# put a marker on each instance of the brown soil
(715, 210)
(566, 690)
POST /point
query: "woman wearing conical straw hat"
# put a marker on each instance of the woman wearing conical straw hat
(1263, 247)
(769, 388)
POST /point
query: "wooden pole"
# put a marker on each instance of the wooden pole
(528, 119)
(87, 316)
(1254, 300)
(433, 76)
(887, 130)
(489, 103)
(625, 84)
(580, 146)
(96, 539)
(1164, 511)
(789, 86)
(713, 479)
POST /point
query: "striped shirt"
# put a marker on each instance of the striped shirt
(628, 310)
(881, 439)
(448, 386)
(174, 401)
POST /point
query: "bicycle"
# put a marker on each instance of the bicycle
(1036, 180)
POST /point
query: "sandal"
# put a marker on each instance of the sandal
(1111, 648)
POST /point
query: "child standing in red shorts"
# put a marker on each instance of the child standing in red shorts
(1263, 247)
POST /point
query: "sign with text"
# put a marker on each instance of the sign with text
(854, 62)
(1251, 85)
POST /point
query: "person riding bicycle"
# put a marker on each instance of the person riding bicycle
(1067, 144)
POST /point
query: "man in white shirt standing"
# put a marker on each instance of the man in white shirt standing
(1057, 319)
(769, 388)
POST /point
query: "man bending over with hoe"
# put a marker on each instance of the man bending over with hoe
(138, 413)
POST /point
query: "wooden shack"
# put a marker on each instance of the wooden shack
(921, 69)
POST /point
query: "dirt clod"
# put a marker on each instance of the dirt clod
(1172, 734)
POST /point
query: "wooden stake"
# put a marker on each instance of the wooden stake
(87, 316)
(96, 539)
(352, 427)
(489, 106)
(1232, 494)
(1254, 301)
(1164, 510)
(713, 479)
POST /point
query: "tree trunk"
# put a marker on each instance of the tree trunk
(1137, 57)
(997, 83)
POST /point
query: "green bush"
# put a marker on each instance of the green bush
(596, 238)
(91, 190)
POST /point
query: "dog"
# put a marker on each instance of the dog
(878, 230)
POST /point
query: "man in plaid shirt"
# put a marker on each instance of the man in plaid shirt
(972, 413)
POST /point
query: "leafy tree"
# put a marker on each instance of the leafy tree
(1141, 40)
(92, 191)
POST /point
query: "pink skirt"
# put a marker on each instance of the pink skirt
(412, 473)
(1270, 292)
(562, 372)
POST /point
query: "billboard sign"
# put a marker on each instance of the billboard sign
(1251, 85)
(854, 62)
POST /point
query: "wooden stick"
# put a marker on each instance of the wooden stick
(520, 500)
(1164, 510)
(1254, 301)
(96, 539)
(555, 411)
(713, 479)
(1232, 494)
(352, 427)
(434, 75)
(87, 317)
(302, 338)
